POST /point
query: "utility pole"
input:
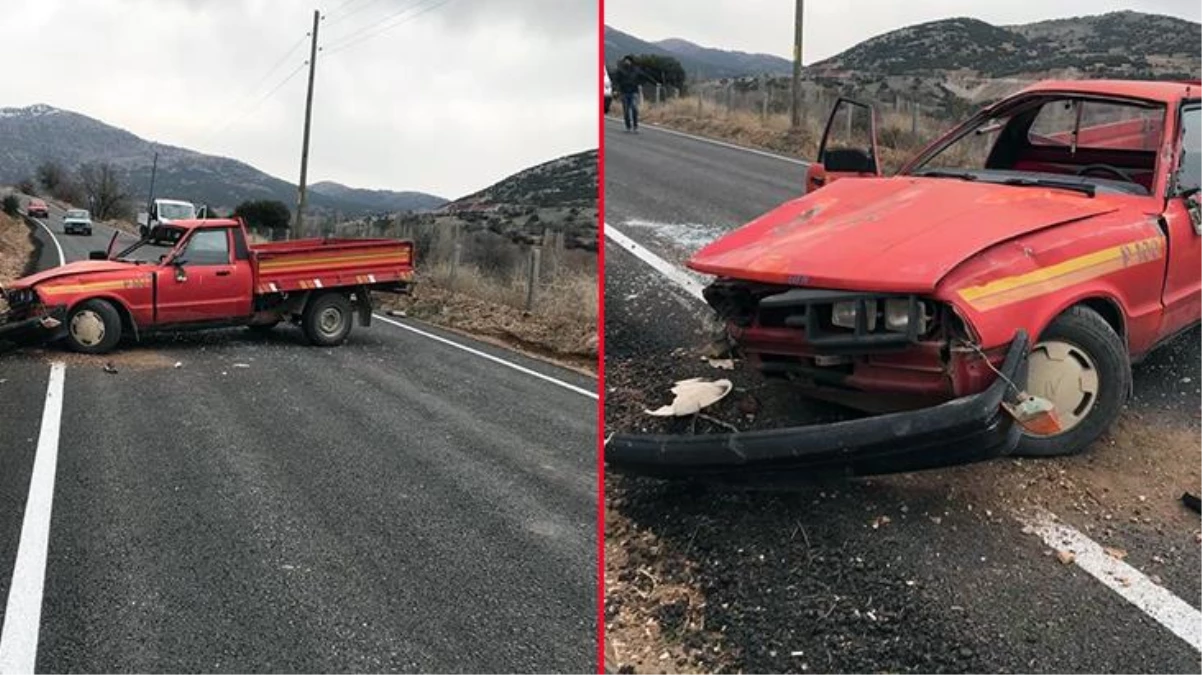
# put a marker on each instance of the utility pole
(300, 207)
(795, 120)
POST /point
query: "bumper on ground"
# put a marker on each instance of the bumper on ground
(34, 330)
(963, 430)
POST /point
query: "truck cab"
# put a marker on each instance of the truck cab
(166, 212)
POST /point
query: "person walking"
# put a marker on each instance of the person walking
(627, 79)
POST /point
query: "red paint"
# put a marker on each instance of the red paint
(1004, 257)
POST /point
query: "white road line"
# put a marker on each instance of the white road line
(723, 144)
(62, 259)
(1156, 601)
(495, 359)
(672, 272)
(23, 614)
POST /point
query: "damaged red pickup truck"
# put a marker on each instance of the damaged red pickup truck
(1019, 263)
(205, 274)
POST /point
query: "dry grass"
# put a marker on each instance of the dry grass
(896, 134)
(16, 248)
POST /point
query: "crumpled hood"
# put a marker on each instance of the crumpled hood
(70, 269)
(899, 234)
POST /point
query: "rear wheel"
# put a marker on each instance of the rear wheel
(93, 327)
(327, 320)
(1081, 365)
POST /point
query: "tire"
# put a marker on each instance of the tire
(327, 320)
(93, 327)
(1081, 350)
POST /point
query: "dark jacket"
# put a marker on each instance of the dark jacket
(626, 79)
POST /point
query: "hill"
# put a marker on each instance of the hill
(34, 134)
(699, 62)
(1115, 45)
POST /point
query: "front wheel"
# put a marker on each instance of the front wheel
(327, 320)
(1081, 365)
(93, 327)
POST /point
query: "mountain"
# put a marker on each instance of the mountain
(1116, 45)
(382, 201)
(569, 181)
(34, 134)
(700, 63)
(732, 63)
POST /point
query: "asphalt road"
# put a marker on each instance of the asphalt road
(928, 572)
(231, 503)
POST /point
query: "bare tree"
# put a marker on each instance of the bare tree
(107, 195)
(51, 175)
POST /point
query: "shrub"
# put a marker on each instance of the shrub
(11, 205)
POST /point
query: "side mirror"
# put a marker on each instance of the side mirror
(181, 274)
(1193, 205)
(98, 255)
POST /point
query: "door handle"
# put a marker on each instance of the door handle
(223, 273)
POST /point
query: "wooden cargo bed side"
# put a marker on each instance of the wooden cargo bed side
(328, 263)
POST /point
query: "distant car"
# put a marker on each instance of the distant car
(37, 209)
(609, 90)
(77, 221)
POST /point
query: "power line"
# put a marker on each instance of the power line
(380, 28)
(264, 98)
(250, 91)
(351, 13)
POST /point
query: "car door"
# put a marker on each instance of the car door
(204, 281)
(848, 145)
(1183, 224)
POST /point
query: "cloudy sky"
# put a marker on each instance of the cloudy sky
(442, 96)
(830, 27)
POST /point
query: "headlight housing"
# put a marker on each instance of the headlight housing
(894, 313)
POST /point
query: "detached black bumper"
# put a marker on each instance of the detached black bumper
(32, 331)
(964, 430)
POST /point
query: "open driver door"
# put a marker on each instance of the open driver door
(848, 145)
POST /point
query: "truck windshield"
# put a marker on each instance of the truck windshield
(1108, 143)
(176, 212)
(151, 249)
(79, 214)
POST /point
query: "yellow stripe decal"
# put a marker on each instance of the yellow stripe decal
(343, 259)
(1007, 290)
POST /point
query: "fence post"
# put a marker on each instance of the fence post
(699, 97)
(532, 279)
(659, 93)
(642, 97)
(914, 119)
(767, 96)
(456, 250)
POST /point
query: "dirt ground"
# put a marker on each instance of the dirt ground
(568, 342)
(16, 247)
(1123, 492)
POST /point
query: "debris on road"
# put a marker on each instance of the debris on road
(880, 520)
(721, 364)
(397, 312)
(242, 365)
(110, 369)
(1066, 557)
(178, 364)
(1116, 553)
(692, 396)
(1192, 501)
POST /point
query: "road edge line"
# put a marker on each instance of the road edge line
(1157, 602)
(23, 613)
(485, 355)
(723, 144)
(62, 259)
(678, 276)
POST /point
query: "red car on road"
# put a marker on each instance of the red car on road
(1042, 247)
(195, 274)
(37, 209)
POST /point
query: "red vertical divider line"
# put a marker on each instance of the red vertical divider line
(599, 107)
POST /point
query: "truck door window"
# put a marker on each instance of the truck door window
(1189, 170)
(207, 247)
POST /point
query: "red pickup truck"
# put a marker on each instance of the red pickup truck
(1037, 249)
(206, 274)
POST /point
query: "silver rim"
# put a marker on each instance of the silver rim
(329, 322)
(87, 328)
(1067, 376)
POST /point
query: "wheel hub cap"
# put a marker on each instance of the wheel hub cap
(1065, 375)
(87, 328)
(330, 320)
